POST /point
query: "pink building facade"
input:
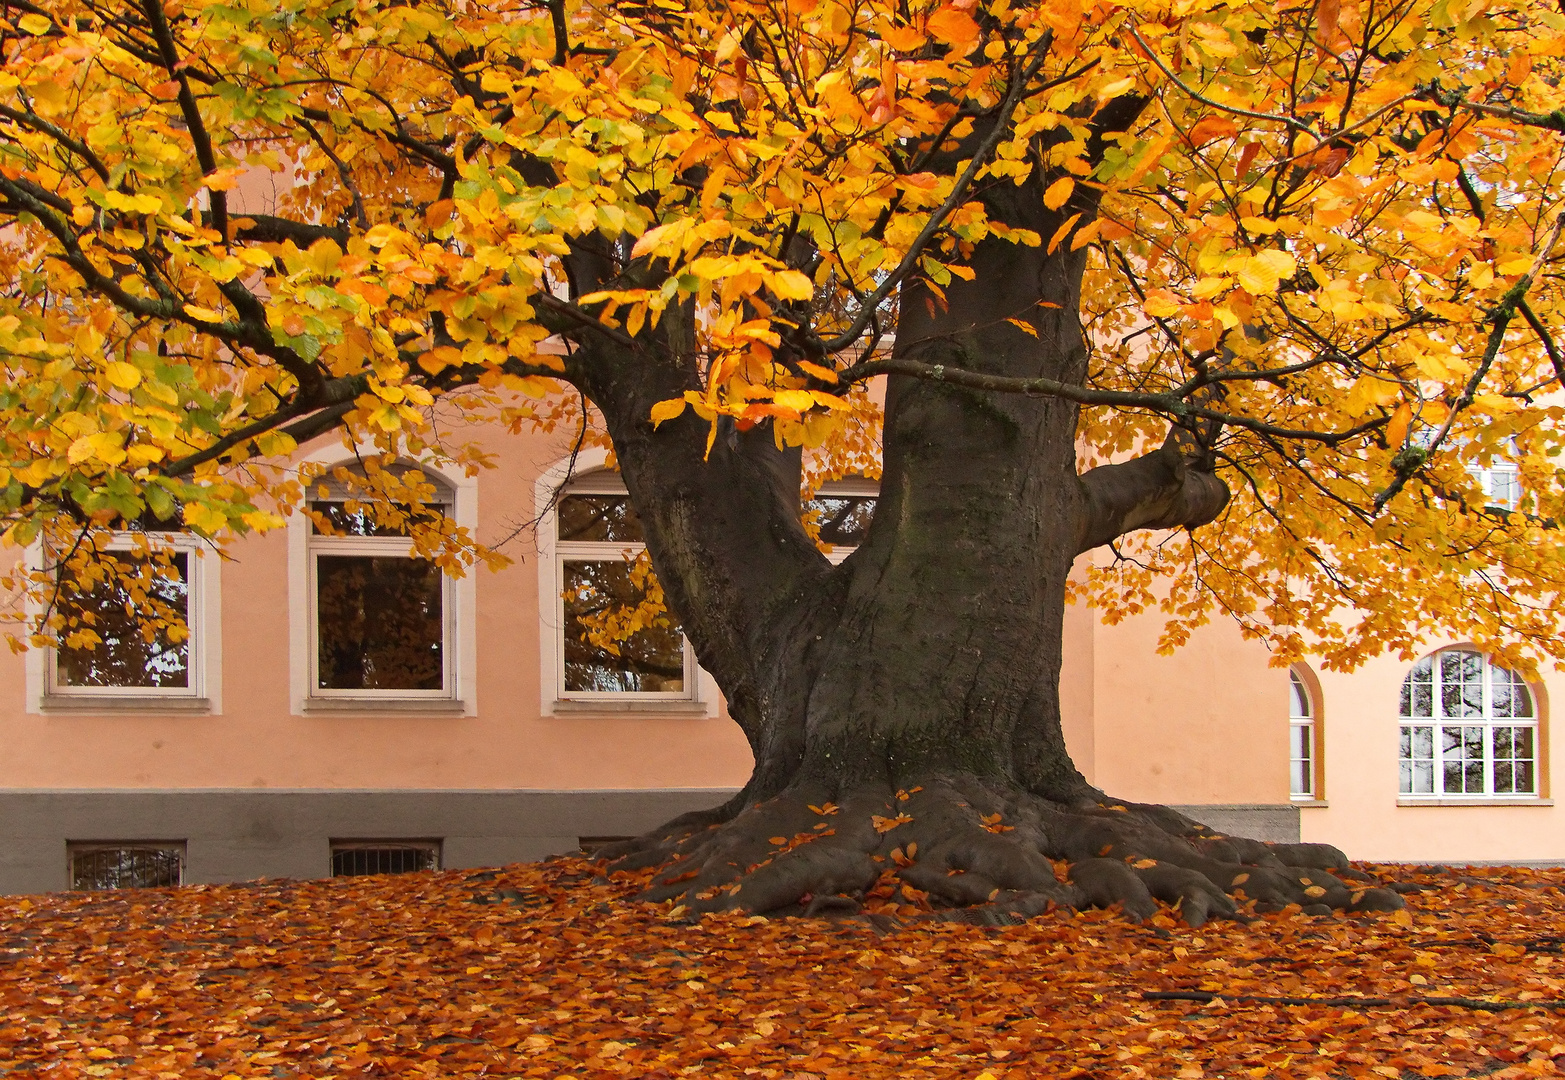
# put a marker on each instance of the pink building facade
(277, 747)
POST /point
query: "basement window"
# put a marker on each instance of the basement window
(357, 858)
(143, 864)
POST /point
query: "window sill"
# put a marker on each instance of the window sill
(1474, 802)
(123, 703)
(608, 708)
(375, 706)
(1311, 804)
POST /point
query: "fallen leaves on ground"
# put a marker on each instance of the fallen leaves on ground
(550, 970)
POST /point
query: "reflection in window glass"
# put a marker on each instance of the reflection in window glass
(1460, 729)
(126, 866)
(359, 521)
(841, 520)
(602, 518)
(128, 654)
(615, 640)
(381, 623)
(616, 637)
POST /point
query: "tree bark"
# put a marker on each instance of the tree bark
(907, 701)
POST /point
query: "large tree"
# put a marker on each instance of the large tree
(1243, 290)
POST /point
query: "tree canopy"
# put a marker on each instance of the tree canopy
(1320, 239)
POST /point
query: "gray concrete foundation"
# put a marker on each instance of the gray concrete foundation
(243, 834)
(1272, 822)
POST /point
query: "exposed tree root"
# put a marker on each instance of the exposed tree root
(956, 847)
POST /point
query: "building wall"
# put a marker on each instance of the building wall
(1362, 814)
(260, 788)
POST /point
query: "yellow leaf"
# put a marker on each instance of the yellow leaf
(1260, 274)
(123, 375)
(1024, 326)
(205, 314)
(202, 517)
(1144, 864)
(1314, 891)
(35, 25)
(792, 285)
(1402, 917)
(1062, 232)
(1055, 194)
(667, 410)
(799, 401)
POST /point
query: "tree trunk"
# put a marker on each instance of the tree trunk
(903, 708)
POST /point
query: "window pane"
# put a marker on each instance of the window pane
(381, 623)
(1508, 694)
(1513, 760)
(1503, 778)
(1461, 684)
(842, 520)
(600, 518)
(1417, 766)
(1301, 741)
(128, 655)
(360, 521)
(1299, 698)
(128, 867)
(1299, 778)
(1417, 690)
(1523, 783)
(614, 641)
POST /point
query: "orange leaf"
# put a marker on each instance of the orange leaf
(955, 28)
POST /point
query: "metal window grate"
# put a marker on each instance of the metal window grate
(384, 857)
(141, 865)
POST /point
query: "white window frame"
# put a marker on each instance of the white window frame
(1498, 472)
(1487, 721)
(459, 599)
(587, 473)
(1300, 691)
(203, 689)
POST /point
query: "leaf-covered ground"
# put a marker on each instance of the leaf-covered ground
(536, 971)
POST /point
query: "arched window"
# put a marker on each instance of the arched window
(380, 620)
(1469, 729)
(1302, 752)
(617, 640)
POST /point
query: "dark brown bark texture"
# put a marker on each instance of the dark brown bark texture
(903, 708)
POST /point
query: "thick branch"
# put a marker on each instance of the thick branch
(937, 220)
(1159, 490)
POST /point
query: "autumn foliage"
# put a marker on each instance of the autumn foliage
(1325, 231)
(1254, 294)
(538, 972)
